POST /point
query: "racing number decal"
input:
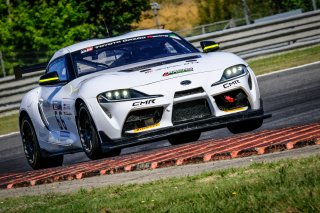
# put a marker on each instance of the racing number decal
(57, 108)
(60, 121)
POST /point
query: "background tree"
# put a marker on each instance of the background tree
(35, 29)
(286, 5)
(218, 10)
(116, 15)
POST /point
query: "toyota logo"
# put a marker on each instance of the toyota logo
(186, 82)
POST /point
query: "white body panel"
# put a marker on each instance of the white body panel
(205, 71)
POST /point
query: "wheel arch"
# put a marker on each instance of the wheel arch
(78, 102)
(22, 114)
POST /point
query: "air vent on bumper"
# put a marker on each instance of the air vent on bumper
(142, 118)
(191, 110)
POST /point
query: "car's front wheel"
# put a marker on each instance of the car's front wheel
(184, 137)
(245, 126)
(32, 149)
(89, 136)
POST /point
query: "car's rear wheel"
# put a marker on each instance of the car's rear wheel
(245, 126)
(184, 138)
(32, 149)
(89, 136)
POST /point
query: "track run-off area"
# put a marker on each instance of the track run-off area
(291, 96)
(202, 151)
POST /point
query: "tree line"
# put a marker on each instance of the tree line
(218, 10)
(31, 31)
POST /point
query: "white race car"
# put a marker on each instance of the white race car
(102, 95)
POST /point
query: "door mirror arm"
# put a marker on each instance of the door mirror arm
(209, 46)
(50, 78)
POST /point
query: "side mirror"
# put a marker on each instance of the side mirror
(209, 46)
(49, 79)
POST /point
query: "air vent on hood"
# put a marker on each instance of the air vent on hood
(161, 63)
(188, 92)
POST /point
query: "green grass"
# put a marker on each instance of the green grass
(285, 60)
(284, 186)
(9, 123)
(259, 65)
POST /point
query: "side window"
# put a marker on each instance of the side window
(59, 66)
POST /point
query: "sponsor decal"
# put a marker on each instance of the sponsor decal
(229, 84)
(168, 67)
(141, 103)
(66, 106)
(158, 36)
(62, 125)
(56, 105)
(145, 128)
(174, 36)
(88, 49)
(146, 71)
(67, 113)
(73, 89)
(177, 71)
(185, 82)
(119, 42)
(191, 62)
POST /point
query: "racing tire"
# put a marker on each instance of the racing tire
(32, 149)
(89, 137)
(245, 126)
(184, 138)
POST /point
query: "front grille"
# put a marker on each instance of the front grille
(142, 118)
(191, 110)
(188, 92)
(232, 100)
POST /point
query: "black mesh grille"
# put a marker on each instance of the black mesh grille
(191, 110)
(188, 92)
(142, 118)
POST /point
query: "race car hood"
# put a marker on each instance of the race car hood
(156, 71)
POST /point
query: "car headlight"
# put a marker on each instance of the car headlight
(233, 72)
(122, 95)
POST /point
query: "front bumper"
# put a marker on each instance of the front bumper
(198, 125)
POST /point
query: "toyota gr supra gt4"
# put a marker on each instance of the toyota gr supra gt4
(102, 95)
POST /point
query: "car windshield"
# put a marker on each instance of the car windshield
(129, 51)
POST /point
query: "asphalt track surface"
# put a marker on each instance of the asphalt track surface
(293, 98)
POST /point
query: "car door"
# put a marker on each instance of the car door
(54, 102)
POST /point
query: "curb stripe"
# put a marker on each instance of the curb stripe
(263, 142)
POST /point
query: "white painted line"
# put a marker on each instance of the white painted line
(288, 69)
(9, 134)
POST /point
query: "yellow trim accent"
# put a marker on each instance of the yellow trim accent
(48, 79)
(211, 46)
(145, 128)
(236, 110)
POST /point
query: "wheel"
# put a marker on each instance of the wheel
(89, 136)
(245, 126)
(184, 138)
(32, 149)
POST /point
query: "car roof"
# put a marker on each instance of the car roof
(94, 42)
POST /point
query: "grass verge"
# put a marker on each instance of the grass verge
(259, 65)
(283, 186)
(9, 123)
(285, 60)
